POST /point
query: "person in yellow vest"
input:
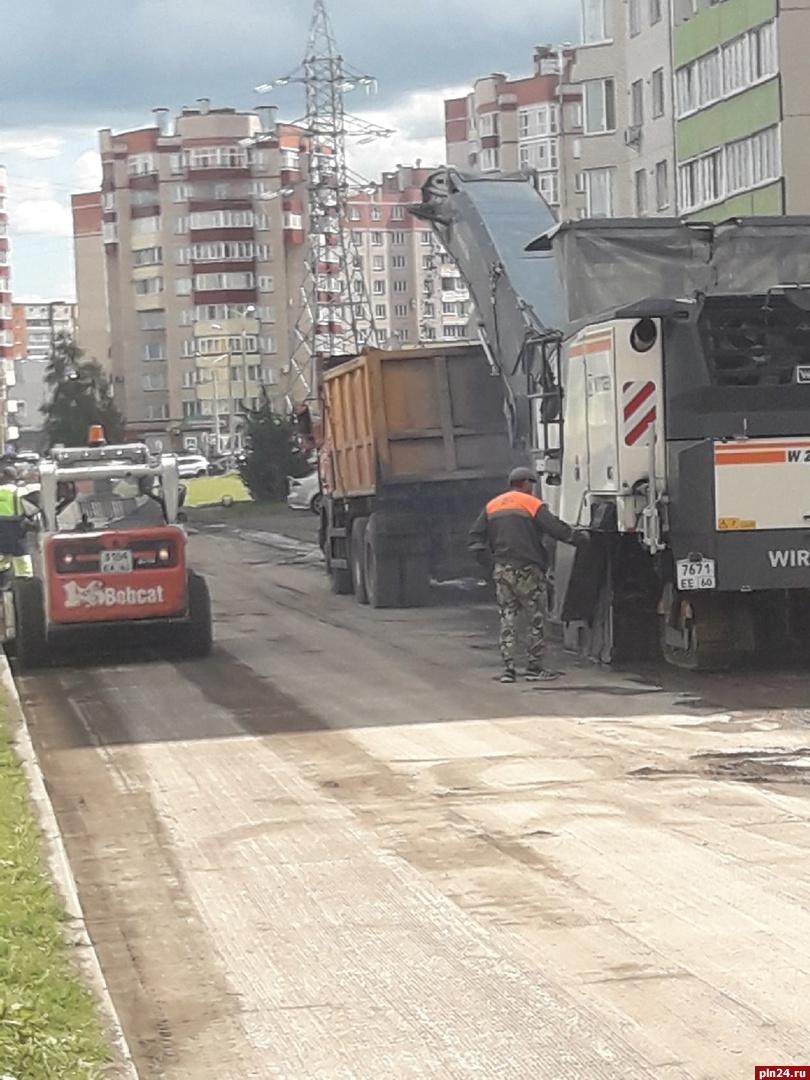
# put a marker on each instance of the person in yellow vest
(14, 555)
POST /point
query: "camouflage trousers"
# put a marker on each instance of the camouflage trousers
(521, 590)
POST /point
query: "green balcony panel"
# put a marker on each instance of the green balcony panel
(714, 25)
(729, 120)
(764, 202)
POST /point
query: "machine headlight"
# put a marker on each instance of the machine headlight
(164, 554)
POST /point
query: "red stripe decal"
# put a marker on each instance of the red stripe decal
(638, 400)
(633, 436)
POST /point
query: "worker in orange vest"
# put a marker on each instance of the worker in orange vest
(510, 531)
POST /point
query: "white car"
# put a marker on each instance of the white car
(192, 465)
(304, 492)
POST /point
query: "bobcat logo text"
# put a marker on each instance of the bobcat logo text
(96, 594)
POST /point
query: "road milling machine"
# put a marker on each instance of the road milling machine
(657, 374)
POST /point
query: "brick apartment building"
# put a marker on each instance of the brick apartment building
(196, 244)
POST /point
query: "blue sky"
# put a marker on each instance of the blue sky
(70, 69)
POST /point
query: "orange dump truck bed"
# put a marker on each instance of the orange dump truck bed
(411, 416)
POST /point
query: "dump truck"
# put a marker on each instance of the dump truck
(415, 441)
(658, 375)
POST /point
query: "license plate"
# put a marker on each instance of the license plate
(694, 576)
(116, 562)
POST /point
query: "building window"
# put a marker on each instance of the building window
(354, 213)
(157, 412)
(151, 320)
(398, 262)
(400, 285)
(640, 187)
(377, 239)
(149, 286)
(600, 106)
(192, 409)
(376, 213)
(523, 123)
(658, 92)
(637, 103)
(154, 350)
(740, 63)
(397, 237)
(154, 382)
(397, 213)
(753, 161)
(661, 185)
(182, 286)
(594, 27)
(380, 311)
(141, 165)
(401, 310)
(634, 17)
(490, 159)
(598, 193)
(549, 185)
(425, 237)
(378, 263)
(205, 282)
(378, 288)
(655, 12)
(428, 309)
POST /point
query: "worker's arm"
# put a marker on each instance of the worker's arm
(553, 526)
(479, 533)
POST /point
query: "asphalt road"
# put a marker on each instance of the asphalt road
(340, 849)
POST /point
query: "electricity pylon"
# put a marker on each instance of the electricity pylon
(336, 314)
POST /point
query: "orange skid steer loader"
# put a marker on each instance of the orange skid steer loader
(108, 552)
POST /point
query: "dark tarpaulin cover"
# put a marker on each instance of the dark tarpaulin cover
(607, 264)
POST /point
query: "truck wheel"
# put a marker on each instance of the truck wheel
(198, 630)
(414, 573)
(29, 615)
(358, 559)
(381, 574)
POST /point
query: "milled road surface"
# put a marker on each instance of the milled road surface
(339, 849)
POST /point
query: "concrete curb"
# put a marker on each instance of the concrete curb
(57, 859)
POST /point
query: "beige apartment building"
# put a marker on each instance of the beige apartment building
(35, 327)
(506, 125)
(199, 226)
(417, 295)
(624, 154)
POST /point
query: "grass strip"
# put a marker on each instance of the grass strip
(49, 1023)
(204, 490)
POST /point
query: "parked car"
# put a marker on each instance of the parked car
(304, 492)
(192, 465)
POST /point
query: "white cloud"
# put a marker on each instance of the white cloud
(87, 171)
(38, 146)
(44, 217)
(417, 120)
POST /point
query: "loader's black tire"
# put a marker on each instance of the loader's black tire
(414, 574)
(358, 559)
(381, 573)
(198, 631)
(29, 614)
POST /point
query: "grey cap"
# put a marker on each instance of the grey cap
(522, 473)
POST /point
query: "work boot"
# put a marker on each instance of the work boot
(541, 675)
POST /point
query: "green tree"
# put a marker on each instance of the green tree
(79, 397)
(271, 454)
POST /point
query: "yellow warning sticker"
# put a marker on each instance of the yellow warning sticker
(731, 524)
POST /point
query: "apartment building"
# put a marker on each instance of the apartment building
(92, 323)
(624, 152)
(506, 125)
(8, 432)
(417, 295)
(742, 94)
(202, 232)
(34, 329)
